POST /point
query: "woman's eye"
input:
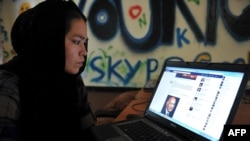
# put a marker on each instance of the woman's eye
(76, 42)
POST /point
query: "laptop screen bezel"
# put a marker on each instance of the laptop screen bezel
(199, 65)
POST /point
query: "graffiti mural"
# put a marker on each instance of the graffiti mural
(130, 40)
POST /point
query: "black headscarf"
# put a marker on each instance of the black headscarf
(38, 34)
(50, 98)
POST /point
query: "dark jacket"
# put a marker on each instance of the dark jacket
(53, 104)
(9, 106)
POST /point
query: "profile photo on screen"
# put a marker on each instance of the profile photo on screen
(170, 105)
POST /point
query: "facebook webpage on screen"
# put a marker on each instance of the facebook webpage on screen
(205, 98)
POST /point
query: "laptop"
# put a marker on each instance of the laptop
(206, 97)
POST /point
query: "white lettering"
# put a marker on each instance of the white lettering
(231, 132)
(236, 132)
(243, 131)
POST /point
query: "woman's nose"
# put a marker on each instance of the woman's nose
(83, 51)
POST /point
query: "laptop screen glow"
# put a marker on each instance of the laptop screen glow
(202, 98)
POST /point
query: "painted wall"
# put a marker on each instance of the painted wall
(129, 40)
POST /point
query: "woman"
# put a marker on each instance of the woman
(44, 79)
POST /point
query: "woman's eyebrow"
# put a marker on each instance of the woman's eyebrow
(81, 37)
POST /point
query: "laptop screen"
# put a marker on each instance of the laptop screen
(199, 100)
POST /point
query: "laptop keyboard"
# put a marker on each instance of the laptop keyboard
(140, 131)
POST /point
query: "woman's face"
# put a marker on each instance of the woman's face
(75, 49)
